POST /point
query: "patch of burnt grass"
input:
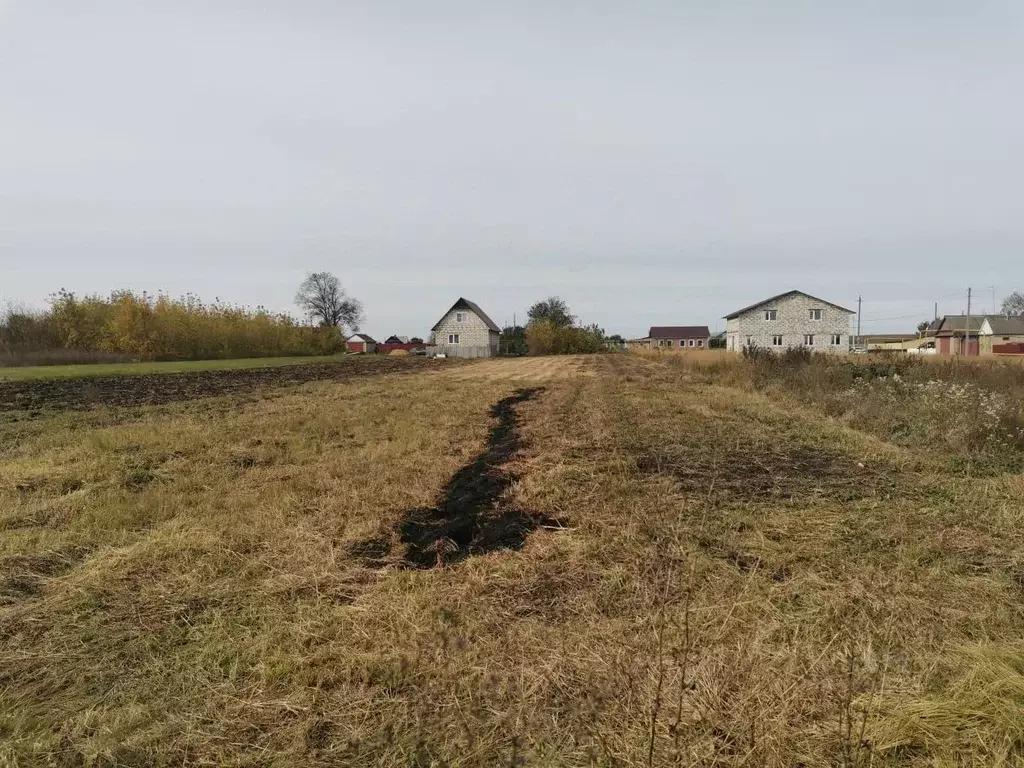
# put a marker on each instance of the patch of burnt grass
(470, 518)
(371, 552)
(751, 471)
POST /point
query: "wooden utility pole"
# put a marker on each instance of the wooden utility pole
(857, 345)
(967, 327)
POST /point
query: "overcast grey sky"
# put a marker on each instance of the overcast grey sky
(650, 162)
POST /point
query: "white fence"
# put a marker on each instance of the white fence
(461, 350)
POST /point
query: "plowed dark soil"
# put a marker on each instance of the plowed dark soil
(159, 388)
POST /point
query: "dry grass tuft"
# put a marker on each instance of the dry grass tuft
(969, 714)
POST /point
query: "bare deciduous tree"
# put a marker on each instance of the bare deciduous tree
(322, 298)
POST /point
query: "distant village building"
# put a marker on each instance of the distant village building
(1001, 334)
(360, 342)
(791, 319)
(465, 330)
(679, 337)
(983, 335)
(894, 342)
(955, 336)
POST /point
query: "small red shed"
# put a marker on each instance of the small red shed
(360, 343)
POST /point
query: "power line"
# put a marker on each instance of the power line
(883, 319)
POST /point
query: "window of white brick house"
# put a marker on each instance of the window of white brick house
(700, 342)
(816, 314)
(836, 340)
(750, 341)
(776, 341)
(691, 342)
(453, 338)
(771, 314)
(460, 317)
(808, 339)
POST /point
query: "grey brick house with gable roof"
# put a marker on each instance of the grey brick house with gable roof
(791, 319)
(465, 330)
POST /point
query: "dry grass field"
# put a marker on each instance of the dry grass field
(619, 560)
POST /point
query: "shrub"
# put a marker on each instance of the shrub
(961, 409)
(548, 338)
(146, 327)
(969, 411)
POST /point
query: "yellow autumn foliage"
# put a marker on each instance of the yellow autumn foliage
(159, 327)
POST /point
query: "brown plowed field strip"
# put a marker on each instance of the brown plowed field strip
(160, 388)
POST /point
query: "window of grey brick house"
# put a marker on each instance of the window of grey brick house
(816, 314)
(771, 314)
(776, 341)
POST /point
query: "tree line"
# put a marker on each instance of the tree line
(127, 325)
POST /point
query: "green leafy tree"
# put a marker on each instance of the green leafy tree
(552, 310)
(513, 340)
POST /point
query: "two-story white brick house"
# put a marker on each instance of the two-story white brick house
(791, 319)
(465, 330)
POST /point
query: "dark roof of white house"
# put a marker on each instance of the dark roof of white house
(679, 332)
(467, 304)
(362, 336)
(769, 300)
(1006, 326)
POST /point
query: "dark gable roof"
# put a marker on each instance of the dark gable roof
(467, 304)
(739, 312)
(951, 324)
(364, 337)
(679, 332)
(1006, 326)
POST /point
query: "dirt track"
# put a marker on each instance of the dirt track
(158, 388)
